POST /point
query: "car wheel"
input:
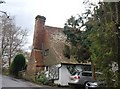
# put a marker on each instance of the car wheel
(85, 84)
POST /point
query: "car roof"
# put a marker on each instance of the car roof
(87, 71)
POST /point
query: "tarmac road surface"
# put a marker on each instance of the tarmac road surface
(12, 83)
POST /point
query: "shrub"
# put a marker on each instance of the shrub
(17, 65)
(41, 78)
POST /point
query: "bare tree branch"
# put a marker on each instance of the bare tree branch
(13, 38)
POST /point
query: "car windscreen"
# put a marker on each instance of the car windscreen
(76, 73)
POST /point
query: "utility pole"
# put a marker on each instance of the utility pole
(117, 6)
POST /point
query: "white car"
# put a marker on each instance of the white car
(79, 79)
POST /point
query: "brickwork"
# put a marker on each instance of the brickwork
(39, 33)
(36, 62)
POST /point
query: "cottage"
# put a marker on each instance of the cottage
(47, 54)
(47, 48)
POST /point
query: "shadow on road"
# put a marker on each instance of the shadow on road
(35, 88)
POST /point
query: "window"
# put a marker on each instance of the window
(46, 52)
(86, 74)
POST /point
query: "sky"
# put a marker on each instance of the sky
(56, 12)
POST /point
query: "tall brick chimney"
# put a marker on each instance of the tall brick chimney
(39, 32)
(36, 62)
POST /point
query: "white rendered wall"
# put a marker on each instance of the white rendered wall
(63, 76)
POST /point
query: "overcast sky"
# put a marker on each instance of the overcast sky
(55, 11)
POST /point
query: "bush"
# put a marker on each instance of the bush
(17, 65)
(41, 78)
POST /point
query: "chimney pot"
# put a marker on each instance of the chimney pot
(40, 17)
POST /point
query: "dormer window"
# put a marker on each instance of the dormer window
(46, 52)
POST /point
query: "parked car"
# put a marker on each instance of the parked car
(79, 79)
(91, 85)
(94, 85)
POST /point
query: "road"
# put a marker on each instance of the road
(12, 83)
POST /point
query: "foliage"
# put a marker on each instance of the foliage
(66, 51)
(18, 64)
(41, 78)
(75, 36)
(103, 41)
(95, 32)
(102, 37)
(82, 54)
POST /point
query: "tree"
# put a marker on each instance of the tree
(105, 43)
(75, 36)
(99, 36)
(18, 64)
(13, 39)
(117, 7)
